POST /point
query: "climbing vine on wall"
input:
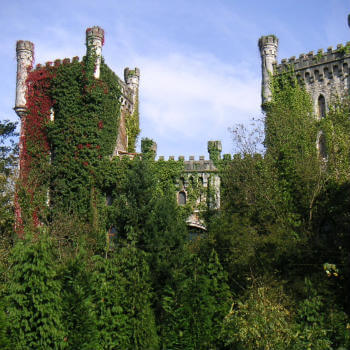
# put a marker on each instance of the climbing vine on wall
(32, 190)
(70, 128)
(336, 129)
(83, 132)
(133, 127)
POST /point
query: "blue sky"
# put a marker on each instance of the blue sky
(199, 61)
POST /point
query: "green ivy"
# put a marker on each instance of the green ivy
(133, 127)
(83, 134)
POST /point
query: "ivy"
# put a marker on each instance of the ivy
(344, 50)
(35, 150)
(83, 132)
(336, 127)
(133, 127)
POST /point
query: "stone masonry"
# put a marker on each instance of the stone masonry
(325, 74)
(203, 171)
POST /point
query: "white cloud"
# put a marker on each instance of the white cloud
(195, 95)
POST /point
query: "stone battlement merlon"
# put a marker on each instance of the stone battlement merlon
(192, 165)
(126, 99)
(182, 159)
(325, 75)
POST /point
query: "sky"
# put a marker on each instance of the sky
(199, 60)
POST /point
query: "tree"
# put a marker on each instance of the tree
(78, 310)
(144, 212)
(34, 303)
(261, 321)
(8, 161)
(194, 303)
(122, 301)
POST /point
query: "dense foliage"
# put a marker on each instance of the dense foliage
(112, 265)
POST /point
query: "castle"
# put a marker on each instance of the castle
(123, 129)
(325, 75)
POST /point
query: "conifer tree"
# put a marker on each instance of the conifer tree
(34, 303)
(79, 317)
(122, 299)
(133, 268)
(194, 304)
(107, 293)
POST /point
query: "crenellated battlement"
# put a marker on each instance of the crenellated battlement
(311, 59)
(325, 74)
(201, 164)
(95, 32)
(129, 87)
(198, 182)
(128, 73)
(191, 164)
(24, 45)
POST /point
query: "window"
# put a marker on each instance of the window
(182, 198)
(321, 107)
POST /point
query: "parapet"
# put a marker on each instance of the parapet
(267, 41)
(311, 59)
(24, 45)
(94, 32)
(193, 165)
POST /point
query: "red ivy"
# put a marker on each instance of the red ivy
(34, 145)
(39, 103)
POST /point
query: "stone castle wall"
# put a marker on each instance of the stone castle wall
(324, 74)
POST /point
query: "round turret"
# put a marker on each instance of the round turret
(268, 46)
(94, 42)
(132, 77)
(25, 58)
(214, 150)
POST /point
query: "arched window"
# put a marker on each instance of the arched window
(322, 147)
(321, 104)
(181, 198)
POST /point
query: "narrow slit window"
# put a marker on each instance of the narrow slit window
(321, 107)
